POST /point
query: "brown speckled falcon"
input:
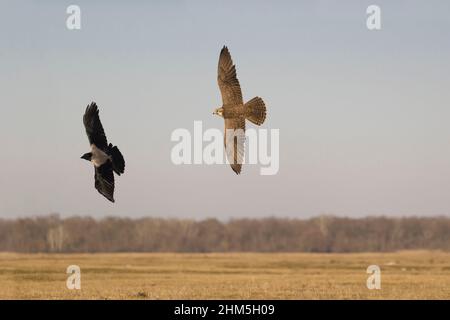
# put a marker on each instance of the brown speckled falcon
(234, 111)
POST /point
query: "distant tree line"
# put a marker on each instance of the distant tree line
(320, 234)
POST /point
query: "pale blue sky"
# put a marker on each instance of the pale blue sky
(363, 115)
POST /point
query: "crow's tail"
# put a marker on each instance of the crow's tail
(117, 159)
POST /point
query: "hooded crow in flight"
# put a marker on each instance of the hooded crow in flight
(234, 111)
(105, 157)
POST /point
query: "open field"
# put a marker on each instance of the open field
(414, 275)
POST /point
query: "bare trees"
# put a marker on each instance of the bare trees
(321, 234)
(55, 238)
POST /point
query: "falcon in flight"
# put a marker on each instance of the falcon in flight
(105, 157)
(234, 111)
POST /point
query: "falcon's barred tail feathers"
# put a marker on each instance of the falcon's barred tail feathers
(118, 162)
(255, 111)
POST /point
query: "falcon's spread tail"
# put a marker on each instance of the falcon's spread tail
(117, 159)
(255, 111)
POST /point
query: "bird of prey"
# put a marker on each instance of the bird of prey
(105, 157)
(234, 111)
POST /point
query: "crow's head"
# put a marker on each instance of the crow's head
(87, 156)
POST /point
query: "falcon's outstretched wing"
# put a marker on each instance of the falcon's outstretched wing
(94, 128)
(234, 140)
(104, 180)
(228, 82)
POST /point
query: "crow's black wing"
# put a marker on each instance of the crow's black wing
(104, 180)
(94, 128)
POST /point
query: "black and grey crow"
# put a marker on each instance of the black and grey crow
(105, 157)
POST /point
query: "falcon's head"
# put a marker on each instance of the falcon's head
(87, 156)
(219, 112)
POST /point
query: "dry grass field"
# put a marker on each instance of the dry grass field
(404, 275)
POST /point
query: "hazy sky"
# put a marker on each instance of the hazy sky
(364, 116)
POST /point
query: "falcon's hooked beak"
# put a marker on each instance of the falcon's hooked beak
(219, 112)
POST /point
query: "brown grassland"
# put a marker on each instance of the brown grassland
(404, 275)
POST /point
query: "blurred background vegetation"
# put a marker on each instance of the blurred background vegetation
(321, 234)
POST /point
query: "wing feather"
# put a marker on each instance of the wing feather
(234, 140)
(94, 128)
(227, 79)
(104, 180)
